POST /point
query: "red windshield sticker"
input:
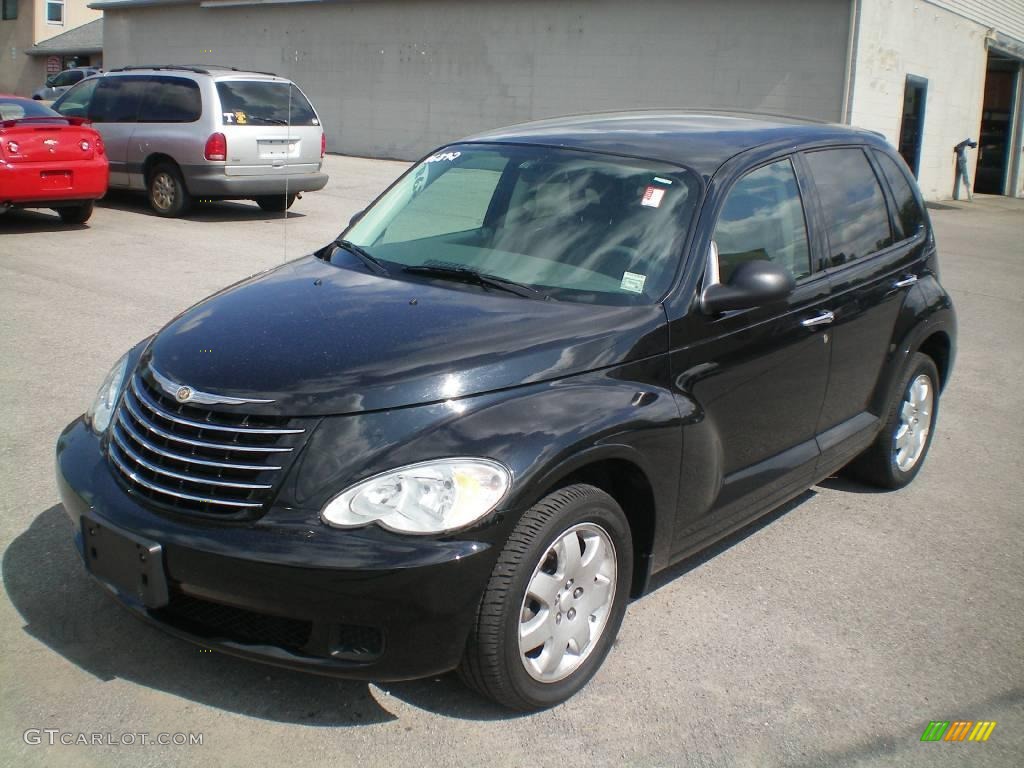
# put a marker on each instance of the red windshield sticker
(652, 197)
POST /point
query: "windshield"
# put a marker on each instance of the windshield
(261, 102)
(15, 109)
(575, 225)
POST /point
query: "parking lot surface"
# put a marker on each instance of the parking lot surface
(828, 634)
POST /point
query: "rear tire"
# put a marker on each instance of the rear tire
(75, 214)
(166, 191)
(275, 203)
(899, 451)
(560, 585)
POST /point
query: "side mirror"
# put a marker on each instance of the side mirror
(752, 284)
(50, 81)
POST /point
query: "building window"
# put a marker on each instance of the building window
(10, 9)
(55, 12)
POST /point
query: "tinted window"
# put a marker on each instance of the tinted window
(68, 77)
(117, 99)
(10, 9)
(75, 103)
(763, 219)
(579, 226)
(908, 209)
(171, 100)
(854, 208)
(15, 109)
(256, 102)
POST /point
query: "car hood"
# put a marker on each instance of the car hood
(322, 339)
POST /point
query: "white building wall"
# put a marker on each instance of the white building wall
(395, 78)
(912, 37)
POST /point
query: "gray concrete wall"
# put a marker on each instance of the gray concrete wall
(395, 78)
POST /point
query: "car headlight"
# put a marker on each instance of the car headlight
(102, 409)
(429, 497)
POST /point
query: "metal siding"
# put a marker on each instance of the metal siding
(1005, 16)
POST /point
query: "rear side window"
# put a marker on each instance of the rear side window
(117, 99)
(852, 202)
(908, 209)
(763, 220)
(171, 100)
(260, 102)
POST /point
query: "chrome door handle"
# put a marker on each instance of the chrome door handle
(906, 281)
(824, 318)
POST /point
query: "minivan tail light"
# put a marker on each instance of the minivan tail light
(323, 144)
(217, 147)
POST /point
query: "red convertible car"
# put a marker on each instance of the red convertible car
(49, 161)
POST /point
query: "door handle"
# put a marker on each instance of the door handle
(905, 282)
(823, 318)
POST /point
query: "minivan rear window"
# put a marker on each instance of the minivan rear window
(260, 102)
(171, 100)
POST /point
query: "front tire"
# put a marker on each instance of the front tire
(899, 451)
(75, 214)
(166, 191)
(554, 602)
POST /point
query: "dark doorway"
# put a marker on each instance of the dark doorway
(912, 127)
(996, 125)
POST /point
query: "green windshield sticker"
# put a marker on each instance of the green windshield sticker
(633, 282)
(662, 181)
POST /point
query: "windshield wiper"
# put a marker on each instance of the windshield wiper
(467, 275)
(271, 120)
(369, 260)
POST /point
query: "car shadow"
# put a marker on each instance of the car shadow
(22, 221)
(207, 211)
(63, 608)
(844, 484)
(673, 572)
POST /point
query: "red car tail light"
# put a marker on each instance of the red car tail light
(99, 146)
(217, 147)
(85, 145)
(12, 147)
(323, 144)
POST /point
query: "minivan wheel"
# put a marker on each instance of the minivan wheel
(276, 203)
(75, 214)
(167, 193)
(554, 602)
(899, 451)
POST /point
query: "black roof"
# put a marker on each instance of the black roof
(701, 141)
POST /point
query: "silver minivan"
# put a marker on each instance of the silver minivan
(185, 133)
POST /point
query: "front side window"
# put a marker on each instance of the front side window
(75, 103)
(575, 225)
(855, 213)
(171, 100)
(54, 11)
(908, 209)
(10, 10)
(763, 220)
(263, 102)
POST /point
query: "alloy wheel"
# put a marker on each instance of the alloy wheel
(915, 422)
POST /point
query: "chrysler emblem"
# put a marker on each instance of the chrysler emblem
(183, 395)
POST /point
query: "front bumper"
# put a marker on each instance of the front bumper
(212, 182)
(364, 604)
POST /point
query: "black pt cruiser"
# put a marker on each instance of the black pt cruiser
(548, 362)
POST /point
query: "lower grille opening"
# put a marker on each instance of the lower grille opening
(216, 621)
(356, 642)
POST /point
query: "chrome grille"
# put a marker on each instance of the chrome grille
(196, 460)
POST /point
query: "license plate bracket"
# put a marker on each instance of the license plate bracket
(131, 565)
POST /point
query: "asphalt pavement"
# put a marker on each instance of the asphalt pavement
(827, 634)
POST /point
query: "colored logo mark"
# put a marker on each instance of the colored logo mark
(958, 730)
